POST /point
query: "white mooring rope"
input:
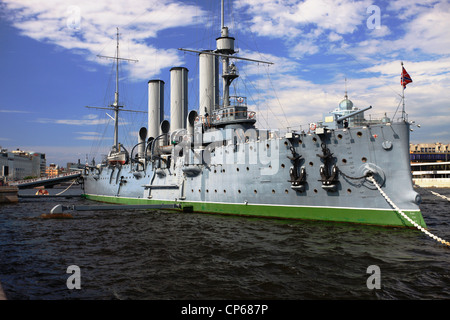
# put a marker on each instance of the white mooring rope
(440, 195)
(67, 188)
(371, 179)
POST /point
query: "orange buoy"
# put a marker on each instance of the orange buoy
(41, 192)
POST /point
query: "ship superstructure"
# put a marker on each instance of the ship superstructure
(215, 160)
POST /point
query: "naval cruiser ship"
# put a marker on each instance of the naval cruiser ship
(214, 159)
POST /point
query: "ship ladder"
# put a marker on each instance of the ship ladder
(371, 179)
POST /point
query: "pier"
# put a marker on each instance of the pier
(8, 194)
(45, 181)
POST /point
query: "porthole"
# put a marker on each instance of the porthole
(359, 134)
(237, 169)
(286, 143)
(315, 190)
(344, 160)
(339, 136)
(255, 191)
(311, 164)
(364, 159)
(239, 191)
(286, 191)
(273, 191)
(314, 139)
(349, 191)
(282, 165)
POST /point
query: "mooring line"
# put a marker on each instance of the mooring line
(371, 179)
(439, 195)
(67, 188)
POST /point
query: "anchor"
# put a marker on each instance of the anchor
(297, 173)
(329, 177)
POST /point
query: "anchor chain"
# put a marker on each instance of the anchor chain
(371, 179)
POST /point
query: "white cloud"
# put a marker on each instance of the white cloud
(13, 111)
(89, 25)
(87, 120)
(289, 19)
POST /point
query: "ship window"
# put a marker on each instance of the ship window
(239, 191)
(273, 191)
(255, 191)
(282, 165)
(314, 139)
(349, 191)
(364, 159)
(359, 134)
(224, 191)
(286, 191)
(344, 160)
(248, 168)
(339, 136)
(311, 163)
(237, 169)
(315, 190)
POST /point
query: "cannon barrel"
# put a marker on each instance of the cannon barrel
(340, 119)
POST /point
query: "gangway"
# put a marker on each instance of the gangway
(45, 181)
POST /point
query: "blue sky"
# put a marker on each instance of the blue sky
(50, 70)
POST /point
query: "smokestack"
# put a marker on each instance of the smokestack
(142, 138)
(155, 107)
(209, 83)
(178, 97)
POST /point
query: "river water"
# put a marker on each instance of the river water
(162, 255)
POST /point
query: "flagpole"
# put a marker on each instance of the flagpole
(403, 95)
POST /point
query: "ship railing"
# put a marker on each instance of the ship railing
(225, 115)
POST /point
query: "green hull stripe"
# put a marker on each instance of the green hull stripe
(353, 215)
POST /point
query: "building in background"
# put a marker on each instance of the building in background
(430, 164)
(19, 164)
(53, 170)
(429, 152)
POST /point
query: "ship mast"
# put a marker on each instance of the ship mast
(225, 46)
(116, 97)
(115, 106)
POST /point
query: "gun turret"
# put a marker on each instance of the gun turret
(340, 119)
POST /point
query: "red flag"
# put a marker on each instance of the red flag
(405, 79)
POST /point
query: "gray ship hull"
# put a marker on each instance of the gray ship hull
(315, 176)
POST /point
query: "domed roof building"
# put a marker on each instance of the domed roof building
(346, 107)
